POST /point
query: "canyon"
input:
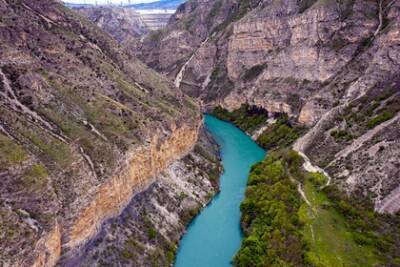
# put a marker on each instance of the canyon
(125, 23)
(104, 160)
(331, 66)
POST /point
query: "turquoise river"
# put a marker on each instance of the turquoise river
(214, 236)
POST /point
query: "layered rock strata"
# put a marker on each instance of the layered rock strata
(330, 65)
(148, 230)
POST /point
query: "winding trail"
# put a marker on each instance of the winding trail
(179, 76)
(308, 166)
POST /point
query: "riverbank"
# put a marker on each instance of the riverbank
(320, 225)
(214, 236)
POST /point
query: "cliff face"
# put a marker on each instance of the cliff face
(148, 230)
(168, 49)
(140, 169)
(331, 65)
(83, 127)
(124, 24)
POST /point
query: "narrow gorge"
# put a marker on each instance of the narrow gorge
(119, 146)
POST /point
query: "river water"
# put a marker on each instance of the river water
(214, 236)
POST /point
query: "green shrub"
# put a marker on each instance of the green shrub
(340, 135)
(152, 233)
(270, 215)
(10, 153)
(276, 226)
(247, 117)
(384, 116)
(338, 43)
(35, 178)
(280, 134)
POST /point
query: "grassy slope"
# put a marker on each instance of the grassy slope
(330, 239)
(336, 230)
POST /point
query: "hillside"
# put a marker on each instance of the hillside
(330, 66)
(83, 127)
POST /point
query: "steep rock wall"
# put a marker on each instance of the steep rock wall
(142, 166)
(148, 230)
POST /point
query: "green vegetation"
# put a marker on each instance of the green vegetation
(170, 256)
(280, 134)
(247, 117)
(378, 119)
(341, 135)
(35, 178)
(214, 11)
(10, 153)
(130, 248)
(156, 36)
(330, 239)
(49, 147)
(270, 217)
(188, 215)
(338, 43)
(375, 107)
(334, 230)
(152, 233)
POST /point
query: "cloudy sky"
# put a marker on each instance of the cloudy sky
(108, 1)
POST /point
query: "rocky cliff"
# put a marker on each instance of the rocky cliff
(83, 127)
(124, 24)
(149, 229)
(330, 65)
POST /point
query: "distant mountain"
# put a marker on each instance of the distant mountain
(124, 24)
(73, 5)
(162, 4)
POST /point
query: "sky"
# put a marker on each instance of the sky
(101, 2)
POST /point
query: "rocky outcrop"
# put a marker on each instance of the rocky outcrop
(167, 50)
(317, 61)
(148, 230)
(83, 127)
(140, 168)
